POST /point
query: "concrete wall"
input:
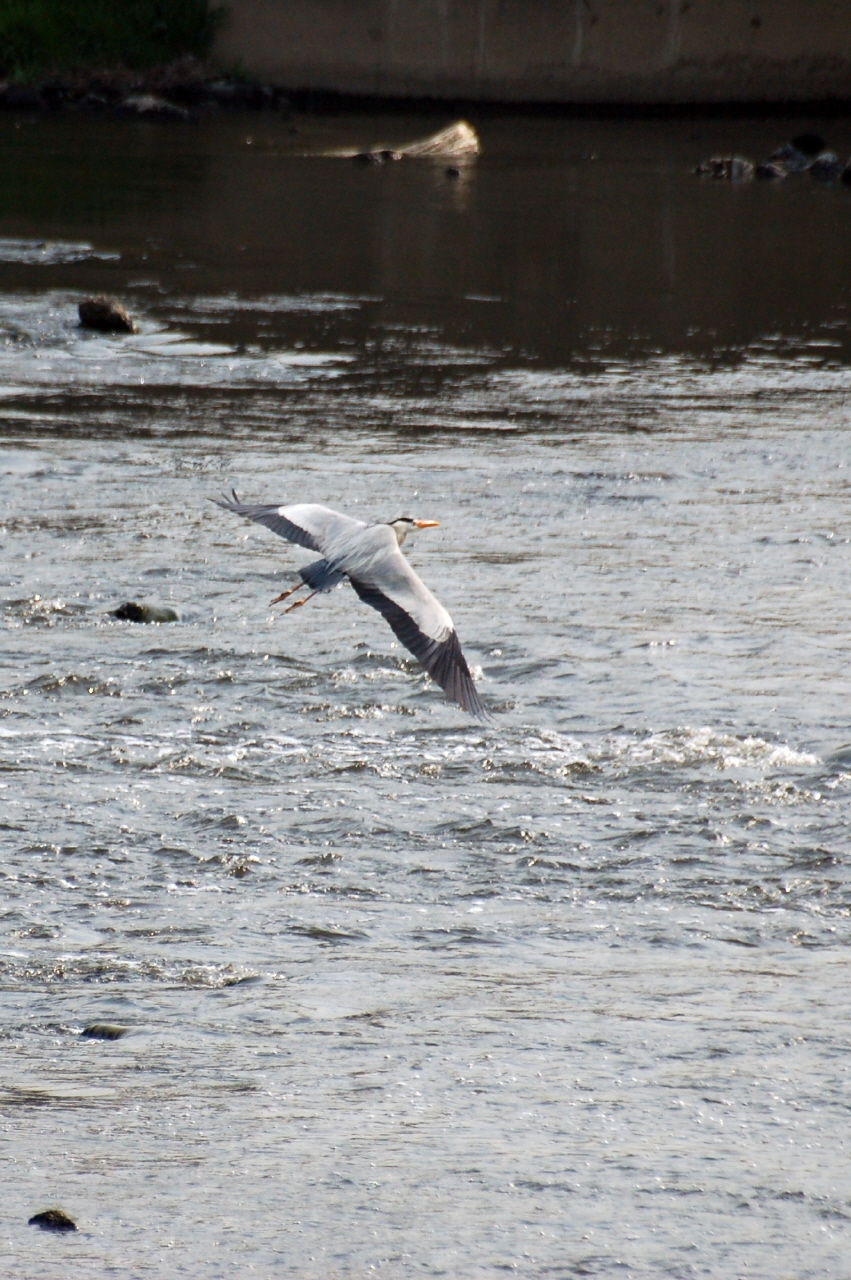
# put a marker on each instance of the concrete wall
(582, 51)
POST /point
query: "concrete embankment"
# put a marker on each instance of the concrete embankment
(564, 51)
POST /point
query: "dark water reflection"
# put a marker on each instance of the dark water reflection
(568, 239)
(564, 994)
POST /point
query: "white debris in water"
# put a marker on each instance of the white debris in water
(50, 252)
(458, 142)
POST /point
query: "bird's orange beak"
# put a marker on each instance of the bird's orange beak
(427, 524)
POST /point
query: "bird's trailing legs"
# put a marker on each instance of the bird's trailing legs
(284, 594)
(299, 603)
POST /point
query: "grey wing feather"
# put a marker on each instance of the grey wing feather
(306, 524)
(441, 656)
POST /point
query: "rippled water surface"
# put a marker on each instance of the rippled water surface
(564, 993)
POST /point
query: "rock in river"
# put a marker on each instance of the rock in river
(105, 314)
(52, 1220)
(103, 1031)
(131, 611)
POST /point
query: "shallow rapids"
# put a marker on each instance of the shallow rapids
(561, 994)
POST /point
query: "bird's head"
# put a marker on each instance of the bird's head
(405, 525)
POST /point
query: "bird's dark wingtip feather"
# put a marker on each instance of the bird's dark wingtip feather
(469, 699)
(226, 502)
(442, 659)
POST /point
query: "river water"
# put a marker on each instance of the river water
(564, 993)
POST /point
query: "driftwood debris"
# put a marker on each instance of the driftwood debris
(458, 142)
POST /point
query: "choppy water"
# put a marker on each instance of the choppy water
(564, 994)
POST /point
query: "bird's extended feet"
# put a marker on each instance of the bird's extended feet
(284, 594)
(299, 603)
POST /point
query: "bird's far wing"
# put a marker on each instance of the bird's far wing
(306, 524)
(421, 623)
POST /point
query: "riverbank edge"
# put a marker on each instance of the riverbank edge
(308, 102)
(201, 87)
(188, 85)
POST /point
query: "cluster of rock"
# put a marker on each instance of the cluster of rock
(182, 90)
(804, 154)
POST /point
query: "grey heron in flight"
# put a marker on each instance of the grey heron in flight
(369, 555)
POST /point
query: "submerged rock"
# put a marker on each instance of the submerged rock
(131, 611)
(103, 1031)
(148, 106)
(105, 315)
(52, 1220)
(726, 169)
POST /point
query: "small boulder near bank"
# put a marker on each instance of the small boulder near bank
(52, 1220)
(132, 611)
(105, 315)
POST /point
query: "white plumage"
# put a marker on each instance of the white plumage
(369, 556)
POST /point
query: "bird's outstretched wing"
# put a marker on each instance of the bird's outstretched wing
(421, 623)
(306, 523)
